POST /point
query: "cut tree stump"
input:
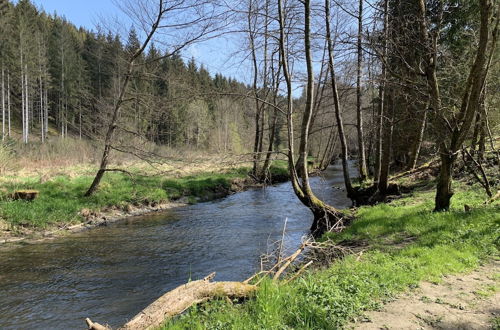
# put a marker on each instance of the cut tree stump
(180, 299)
(27, 195)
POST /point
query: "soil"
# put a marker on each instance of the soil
(469, 301)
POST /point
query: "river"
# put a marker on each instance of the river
(111, 273)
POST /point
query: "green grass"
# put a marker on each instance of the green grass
(61, 199)
(495, 323)
(409, 243)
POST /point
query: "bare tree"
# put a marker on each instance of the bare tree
(336, 104)
(381, 94)
(326, 217)
(184, 20)
(454, 130)
(363, 171)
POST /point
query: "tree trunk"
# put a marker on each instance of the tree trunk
(481, 143)
(258, 133)
(444, 191)
(415, 149)
(27, 116)
(470, 99)
(3, 102)
(42, 120)
(385, 163)
(180, 299)
(482, 128)
(46, 111)
(363, 172)
(381, 95)
(23, 102)
(275, 76)
(336, 103)
(118, 105)
(475, 133)
(8, 102)
(325, 216)
(267, 162)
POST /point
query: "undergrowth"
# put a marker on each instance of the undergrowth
(408, 243)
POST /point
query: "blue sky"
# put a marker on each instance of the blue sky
(216, 55)
(81, 13)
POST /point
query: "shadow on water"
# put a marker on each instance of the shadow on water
(110, 274)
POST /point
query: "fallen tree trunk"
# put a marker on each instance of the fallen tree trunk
(180, 299)
(431, 164)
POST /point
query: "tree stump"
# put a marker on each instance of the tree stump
(27, 195)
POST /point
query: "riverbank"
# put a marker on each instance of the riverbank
(61, 207)
(395, 247)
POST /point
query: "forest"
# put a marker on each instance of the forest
(379, 118)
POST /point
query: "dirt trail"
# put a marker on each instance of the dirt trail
(468, 301)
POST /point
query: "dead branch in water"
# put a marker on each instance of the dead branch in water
(181, 298)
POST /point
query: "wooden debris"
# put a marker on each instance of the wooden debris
(27, 195)
(494, 198)
(180, 299)
(95, 326)
(288, 262)
(297, 274)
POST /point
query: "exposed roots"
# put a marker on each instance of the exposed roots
(327, 219)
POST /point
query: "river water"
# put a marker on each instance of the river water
(111, 273)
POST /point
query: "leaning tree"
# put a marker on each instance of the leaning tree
(173, 24)
(326, 217)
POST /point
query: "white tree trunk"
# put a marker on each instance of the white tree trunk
(8, 102)
(3, 103)
(46, 110)
(23, 99)
(27, 106)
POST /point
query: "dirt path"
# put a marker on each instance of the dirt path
(468, 301)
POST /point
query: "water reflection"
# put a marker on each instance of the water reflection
(110, 274)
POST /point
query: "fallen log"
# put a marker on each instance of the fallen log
(95, 326)
(494, 198)
(180, 299)
(27, 195)
(433, 163)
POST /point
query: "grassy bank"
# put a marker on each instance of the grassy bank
(61, 198)
(404, 243)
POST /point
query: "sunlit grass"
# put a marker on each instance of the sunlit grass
(62, 198)
(408, 243)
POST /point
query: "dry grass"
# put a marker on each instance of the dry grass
(73, 158)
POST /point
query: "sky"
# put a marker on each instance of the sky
(216, 55)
